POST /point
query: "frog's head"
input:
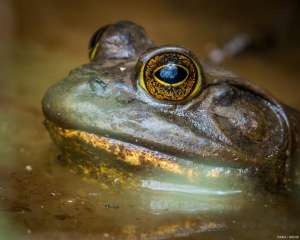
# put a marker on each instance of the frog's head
(162, 108)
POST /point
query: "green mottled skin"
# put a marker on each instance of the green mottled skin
(231, 125)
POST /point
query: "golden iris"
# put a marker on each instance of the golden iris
(170, 75)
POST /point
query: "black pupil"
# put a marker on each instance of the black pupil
(171, 73)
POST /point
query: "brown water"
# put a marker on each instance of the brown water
(41, 41)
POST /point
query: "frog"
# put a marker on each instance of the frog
(161, 118)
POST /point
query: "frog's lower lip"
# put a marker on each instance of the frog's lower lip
(126, 152)
(144, 158)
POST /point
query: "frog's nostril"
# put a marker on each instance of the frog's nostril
(97, 86)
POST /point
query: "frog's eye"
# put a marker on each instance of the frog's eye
(94, 44)
(170, 74)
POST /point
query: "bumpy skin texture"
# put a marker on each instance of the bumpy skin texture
(231, 129)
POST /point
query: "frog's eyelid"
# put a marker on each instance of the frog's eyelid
(94, 44)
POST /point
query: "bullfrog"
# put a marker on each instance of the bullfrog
(161, 118)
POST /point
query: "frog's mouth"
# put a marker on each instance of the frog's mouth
(135, 161)
(128, 153)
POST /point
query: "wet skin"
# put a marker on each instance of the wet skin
(224, 133)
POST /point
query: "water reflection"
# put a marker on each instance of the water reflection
(182, 188)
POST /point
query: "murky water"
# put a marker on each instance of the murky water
(42, 199)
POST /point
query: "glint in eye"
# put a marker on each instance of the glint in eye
(171, 74)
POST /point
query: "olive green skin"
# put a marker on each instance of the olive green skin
(231, 124)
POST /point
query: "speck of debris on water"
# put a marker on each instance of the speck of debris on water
(53, 194)
(108, 205)
(122, 69)
(28, 168)
(116, 180)
(93, 194)
(106, 235)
